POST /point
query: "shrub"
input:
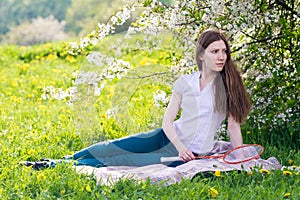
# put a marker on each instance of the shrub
(40, 30)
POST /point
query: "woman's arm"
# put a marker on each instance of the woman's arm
(234, 130)
(172, 110)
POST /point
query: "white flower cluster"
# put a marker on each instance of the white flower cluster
(148, 22)
(115, 68)
(122, 16)
(50, 92)
(112, 112)
(161, 99)
(102, 30)
(221, 132)
(173, 18)
(96, 58)
(185, 65)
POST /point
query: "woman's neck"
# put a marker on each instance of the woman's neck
(206, 77)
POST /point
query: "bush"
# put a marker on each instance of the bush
(40, 30)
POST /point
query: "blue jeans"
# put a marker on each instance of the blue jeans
(135, 150)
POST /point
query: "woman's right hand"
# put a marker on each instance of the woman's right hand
(186, 155)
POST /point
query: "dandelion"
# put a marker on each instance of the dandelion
(287, 195)
(41, 176)
(218, 173)
(287, 173)
(103, 116)
(88, 188)
(143, 62)
(31, 151)
(213, 192)
(19, 100)
(30, 96)
(264, 171)
(24, 67)
(63, 192)
(34, 81)
(291, 162)
(70, 59)
(13, 99)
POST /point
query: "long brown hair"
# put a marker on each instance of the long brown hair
(230, 90)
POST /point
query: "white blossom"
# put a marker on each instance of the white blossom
(160, 98)
(239, 18)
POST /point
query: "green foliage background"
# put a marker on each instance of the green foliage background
(81, 16)
(15, 12)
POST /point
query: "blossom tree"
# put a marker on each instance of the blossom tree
(265, 42)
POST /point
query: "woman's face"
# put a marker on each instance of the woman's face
(214, 56)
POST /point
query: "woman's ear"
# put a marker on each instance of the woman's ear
(201, 55)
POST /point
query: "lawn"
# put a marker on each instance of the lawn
(35, 127)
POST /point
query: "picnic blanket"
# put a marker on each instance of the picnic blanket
(170, 175)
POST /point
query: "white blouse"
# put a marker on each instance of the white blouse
(198, 123)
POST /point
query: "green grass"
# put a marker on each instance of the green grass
(33, 128)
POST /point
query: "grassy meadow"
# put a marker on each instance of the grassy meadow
(33, 128)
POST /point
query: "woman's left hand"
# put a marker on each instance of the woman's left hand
(187, 155)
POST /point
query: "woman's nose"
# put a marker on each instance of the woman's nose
(221, 56)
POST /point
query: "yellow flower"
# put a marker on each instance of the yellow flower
(249, 173)
(88, 188)
(286, 195)
(143, 62)
(63, 192)
(13, 98)
(30, 95)
(291, 162)
(41, 176)
(287, 173)
(24, 67)
(218, 173)
(264, 171)
(31, 151)
(19, 100)
(213, 192)
(70, 59)
(34, 81)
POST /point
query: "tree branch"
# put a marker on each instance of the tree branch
(146, 76)
(264, 40)
(286, 7)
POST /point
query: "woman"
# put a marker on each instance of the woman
(218, 91)
(204, 98)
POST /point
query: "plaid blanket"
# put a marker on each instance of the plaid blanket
(170, 175)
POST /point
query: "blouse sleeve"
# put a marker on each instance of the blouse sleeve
(179, 86)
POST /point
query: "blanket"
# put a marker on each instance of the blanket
(171, 175)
